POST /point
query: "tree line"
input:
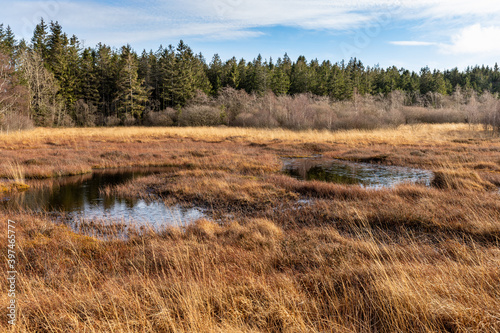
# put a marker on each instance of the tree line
(53, 81)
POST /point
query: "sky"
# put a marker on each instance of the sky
(405, 33)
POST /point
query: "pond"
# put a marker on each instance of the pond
(343, 172)
(79, 199)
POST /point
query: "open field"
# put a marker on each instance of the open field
(347, 259)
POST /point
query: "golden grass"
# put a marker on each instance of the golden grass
(16, 182)
(16, 172)
(347, 259)
(253, 276)
(406, 134)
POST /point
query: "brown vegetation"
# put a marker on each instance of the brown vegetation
(344, 259)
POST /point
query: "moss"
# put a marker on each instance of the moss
(13, 187)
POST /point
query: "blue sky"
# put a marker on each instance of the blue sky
(439, 34)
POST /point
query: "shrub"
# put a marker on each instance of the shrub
(160, 118)
(85, 114)
(415, 114)
(200, 115)
(112, 121)
(129, 120)
(15, 122)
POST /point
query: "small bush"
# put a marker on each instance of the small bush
(85, 114)
(112, 121)
(129, 120)
(200, 115)
(433, 116)
(160, 118)
(15, 122)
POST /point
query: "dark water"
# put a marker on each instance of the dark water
(80, 199)
(364, 174)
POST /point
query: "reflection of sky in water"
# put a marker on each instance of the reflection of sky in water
(364, 174)
(80, 198)
(153, 214)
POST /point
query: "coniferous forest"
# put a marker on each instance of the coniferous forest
(52, 80)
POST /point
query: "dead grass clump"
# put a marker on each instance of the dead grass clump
(219, 189)
(492, 177)
(487, 166)
(115, 154)
(203, 229)
(319, 189)
(460, 180)
(15, 171)
(412, 191)
(253, 234)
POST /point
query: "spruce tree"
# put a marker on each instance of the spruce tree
(131, 96)
(232, 76)
(7, 41)
(39, 39)
(215, 74)
(300, 76)
(280, 82)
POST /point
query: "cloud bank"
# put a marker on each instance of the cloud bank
(450, 25)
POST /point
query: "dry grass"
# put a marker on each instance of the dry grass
(407, 134)
(253, 276)
(16, 181)
(348, 259)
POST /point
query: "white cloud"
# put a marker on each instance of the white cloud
(130, 21)
(411, 43)
(474, 39)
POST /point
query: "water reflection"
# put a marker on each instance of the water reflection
(81, 199)
(364, 174)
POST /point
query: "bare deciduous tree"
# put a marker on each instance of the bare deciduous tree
(46, 109)
(13, 106)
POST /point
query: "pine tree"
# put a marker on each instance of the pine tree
(39, 39)
(242, 70)
(300, 77)
(89, 82)
(106, 67)
(215, 74)
(131, 96)
(258, 76)
(184, 73)
(426, 80)
(62, 59)
(438, 83)
(335, 84)
(7, 41)
(200, 69)
(280, 82)
(231, 75)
